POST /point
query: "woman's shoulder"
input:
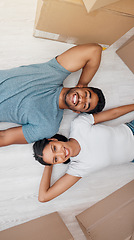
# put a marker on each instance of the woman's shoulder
(77, 169)
(84, 117)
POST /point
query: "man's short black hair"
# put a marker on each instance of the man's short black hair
(101, 102)
(41, 144)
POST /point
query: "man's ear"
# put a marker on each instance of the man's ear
(53, 139)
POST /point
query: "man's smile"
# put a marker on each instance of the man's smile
(81, 99)
(75, 99)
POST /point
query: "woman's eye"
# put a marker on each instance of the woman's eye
(85, 94)
(55, 159)
(54, 148)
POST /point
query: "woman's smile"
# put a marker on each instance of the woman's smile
(67, 152)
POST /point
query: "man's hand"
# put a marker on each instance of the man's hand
(12, 136)
(80, 85)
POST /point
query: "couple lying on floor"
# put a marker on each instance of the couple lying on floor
(26, 93)
(91, 146)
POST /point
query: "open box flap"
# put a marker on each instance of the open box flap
(92, 5)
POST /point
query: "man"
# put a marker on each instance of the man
(34, 97)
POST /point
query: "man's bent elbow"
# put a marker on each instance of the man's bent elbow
(97, 50)
(95, 55)
(96, 47)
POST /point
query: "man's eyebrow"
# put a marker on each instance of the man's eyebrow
(89, 93)
(52, 152)
(90, 97)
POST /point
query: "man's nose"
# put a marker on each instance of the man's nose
(82, 99)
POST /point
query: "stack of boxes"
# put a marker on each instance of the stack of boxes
(112, 218)
(86, 21)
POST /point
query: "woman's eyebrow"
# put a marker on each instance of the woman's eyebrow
(52, 152)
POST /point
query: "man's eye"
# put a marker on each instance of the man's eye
(54, 148)
(84, 106)
(85, 94)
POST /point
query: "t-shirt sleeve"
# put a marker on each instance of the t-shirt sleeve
(80, 121)
(59, 73)
(34, 133)
(85, 117)
(76, 171)
(73, 172)
(53, 62)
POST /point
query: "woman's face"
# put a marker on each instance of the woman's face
(57, 152)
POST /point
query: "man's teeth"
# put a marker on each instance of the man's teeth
(74, 99)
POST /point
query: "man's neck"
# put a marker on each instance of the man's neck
(62, 95)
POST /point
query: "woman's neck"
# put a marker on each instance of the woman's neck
(75, 146)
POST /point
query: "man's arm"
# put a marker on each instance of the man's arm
(86, 56)
(12, 136)
(113, 113)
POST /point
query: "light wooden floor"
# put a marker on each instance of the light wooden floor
(19, 173)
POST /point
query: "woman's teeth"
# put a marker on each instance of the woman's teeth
(67, 152)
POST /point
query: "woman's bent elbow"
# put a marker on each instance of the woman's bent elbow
(42, 199)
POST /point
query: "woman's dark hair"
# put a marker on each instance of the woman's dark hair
(101, 102)
(39, 146)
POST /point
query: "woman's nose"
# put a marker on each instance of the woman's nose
(61, 154)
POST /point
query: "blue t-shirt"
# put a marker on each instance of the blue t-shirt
(29, 95)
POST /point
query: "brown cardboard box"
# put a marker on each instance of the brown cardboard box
(110, 218)
(68, 21)
(132, 238)
(126, 53)
(49, 227)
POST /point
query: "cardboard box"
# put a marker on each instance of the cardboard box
(96, 4)
(132, 237)
(49, 227)
(126, 53)
(68, 21)
(110, 218)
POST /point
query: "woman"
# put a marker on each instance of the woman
(91, 147)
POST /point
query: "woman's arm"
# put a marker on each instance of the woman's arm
(47, 192)
(113, 113)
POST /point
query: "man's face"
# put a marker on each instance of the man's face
(81, 99)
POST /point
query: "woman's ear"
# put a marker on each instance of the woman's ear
(53, 139)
